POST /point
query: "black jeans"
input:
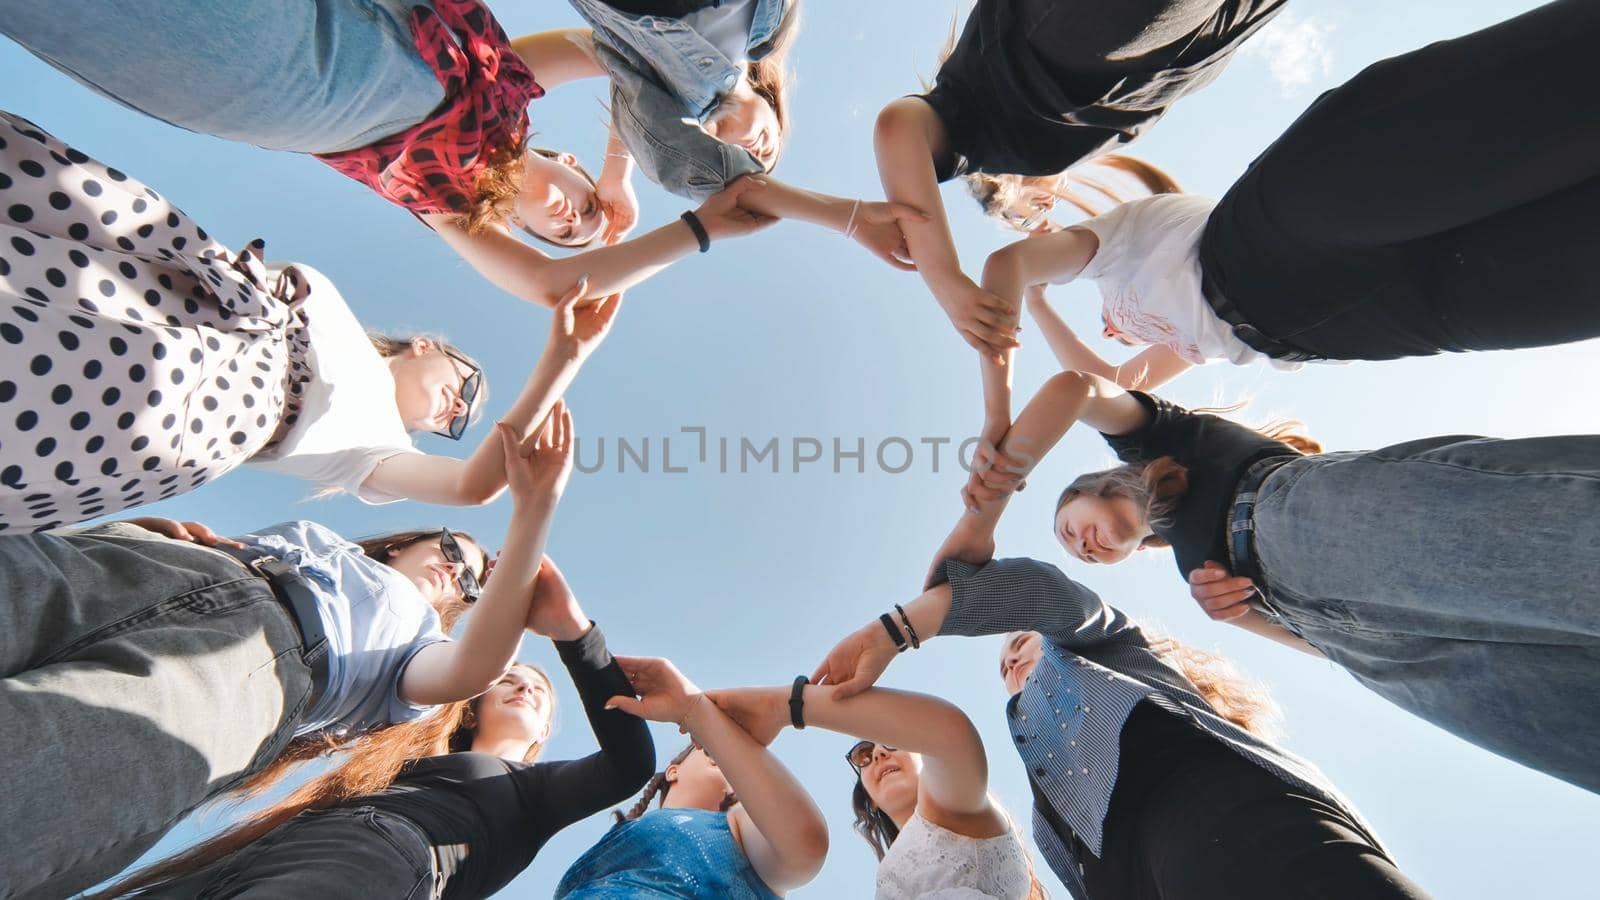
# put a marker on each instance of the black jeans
(1191, 819)
(346, 853)
(1440, 200)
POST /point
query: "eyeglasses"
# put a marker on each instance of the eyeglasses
(470, 385)
(860, 756)
(471, 589)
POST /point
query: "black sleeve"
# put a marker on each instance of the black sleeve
(1186, 436)
(571, 790)
(1005, 595)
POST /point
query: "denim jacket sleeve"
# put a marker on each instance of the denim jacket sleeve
(1024, 594)
(667, 144)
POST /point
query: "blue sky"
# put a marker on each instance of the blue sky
(750, 577)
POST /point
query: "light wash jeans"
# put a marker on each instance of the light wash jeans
(347, 852)
(313, 76)
(139, 677)
(1459, 578)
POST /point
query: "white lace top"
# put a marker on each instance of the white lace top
(934, 863)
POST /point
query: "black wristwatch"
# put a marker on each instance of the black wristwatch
(797, 702)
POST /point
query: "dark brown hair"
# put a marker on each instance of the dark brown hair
(871, 822)
(657, 788)
(371, 764)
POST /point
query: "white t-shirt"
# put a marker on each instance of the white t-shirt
(1148, 271)
(375, 621)
(726, 27)
(348, 419)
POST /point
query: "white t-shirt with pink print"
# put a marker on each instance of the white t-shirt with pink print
(1148, 271)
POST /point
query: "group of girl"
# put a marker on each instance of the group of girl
(177, 666)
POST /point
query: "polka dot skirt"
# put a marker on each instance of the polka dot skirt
(139, 358)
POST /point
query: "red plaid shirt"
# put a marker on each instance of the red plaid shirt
(433, 166)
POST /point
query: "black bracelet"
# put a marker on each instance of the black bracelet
(905, 620)
(797, 702)
(894, 633)
(699, 230)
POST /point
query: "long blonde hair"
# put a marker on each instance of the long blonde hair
(1230, 694)
(371, 764)
(771, 78)
(996, 193)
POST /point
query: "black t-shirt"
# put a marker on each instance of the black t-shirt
(1216, 452)
(1014, 102)
(487, 817)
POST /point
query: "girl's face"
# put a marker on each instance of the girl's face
(434, 576)
(745, 119)
(698, 776)
(1100, 529)
(1028, 210)
(427, 386)
(557, 202)
(891, 779)
(1018, 659)
(517, 707)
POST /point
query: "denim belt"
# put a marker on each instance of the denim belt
(289, 586)
(1242, 526)
(1244, 331)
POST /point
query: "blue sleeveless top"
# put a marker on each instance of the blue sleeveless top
(681, 853)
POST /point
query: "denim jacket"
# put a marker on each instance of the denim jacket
(665, 80)
(1096, 667)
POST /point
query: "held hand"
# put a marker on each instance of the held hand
(665, 695)
(967, 542)
(722, 215)
(762, 712)
(193, 532)
(857, 662)
(537, 468)
(620, 204)
(877, 227)
(554, 612)
(1220, 595)
(984, 320)
(577, 330)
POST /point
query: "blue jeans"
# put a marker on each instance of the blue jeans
(1456, 577)
(312, 76)
(139, 677)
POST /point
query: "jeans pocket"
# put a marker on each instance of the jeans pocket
(405, 839)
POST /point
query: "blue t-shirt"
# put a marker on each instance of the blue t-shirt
(375, 620)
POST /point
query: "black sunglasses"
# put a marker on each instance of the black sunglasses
(468, 393)
(860, 755)
(471, 589)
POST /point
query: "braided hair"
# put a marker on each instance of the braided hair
(658, 787)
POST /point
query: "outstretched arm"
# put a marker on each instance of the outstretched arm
(955, 774)
(1147, 370)
(872, 224)
(558, 56)
(537, 470)
(907, 138)
(575, 332)
(525, 272)
(779, 826)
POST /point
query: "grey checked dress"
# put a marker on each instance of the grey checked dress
(139, 358)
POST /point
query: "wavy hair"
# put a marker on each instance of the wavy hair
(497, 186)
(1241, 700)
(371, 764)
(771, 77)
